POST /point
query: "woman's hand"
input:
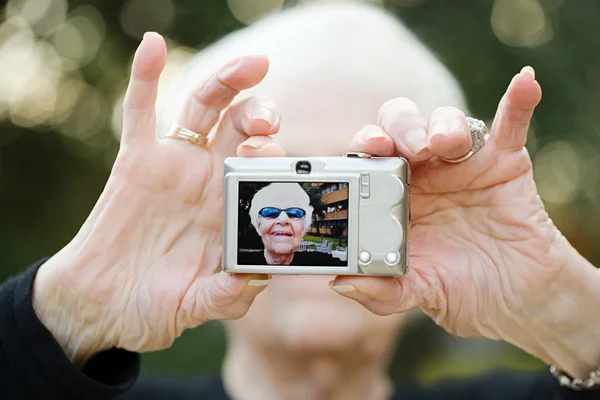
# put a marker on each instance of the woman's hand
(143, 268)
(485, 258)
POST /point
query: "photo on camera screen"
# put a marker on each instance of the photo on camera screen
(293, 223)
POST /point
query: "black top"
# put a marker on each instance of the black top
(33, 366)
(301, 258)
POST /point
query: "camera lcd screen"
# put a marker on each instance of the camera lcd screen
(293, 223)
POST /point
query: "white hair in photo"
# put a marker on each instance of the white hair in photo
(277, 192)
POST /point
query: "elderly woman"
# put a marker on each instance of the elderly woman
(281, 214)
(486, 261)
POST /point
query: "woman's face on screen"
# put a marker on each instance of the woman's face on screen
(281, 226)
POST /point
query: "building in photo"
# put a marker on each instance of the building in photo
(334, 196)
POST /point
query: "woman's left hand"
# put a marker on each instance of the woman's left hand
(485, 258)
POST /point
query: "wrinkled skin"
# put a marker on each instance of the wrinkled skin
(144, 266)
(482, 245)
(281, 235)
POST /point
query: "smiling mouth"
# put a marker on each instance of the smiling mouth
(280, 233)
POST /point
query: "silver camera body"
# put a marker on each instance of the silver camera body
(373, 190)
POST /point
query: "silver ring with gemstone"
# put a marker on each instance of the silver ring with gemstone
(478, 136)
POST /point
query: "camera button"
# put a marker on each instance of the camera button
(365, 189)
(364, 257)
(392, 258)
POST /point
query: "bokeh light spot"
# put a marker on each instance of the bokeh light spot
(80, 37)
(31, 11)
(248, 11)
(67, 96)
(88, 116)
(29, 75)
(42, 16)
(69, 43)
(558, 172)
(522, 23)
(591, 176)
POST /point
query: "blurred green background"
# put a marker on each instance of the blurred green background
(64, 65)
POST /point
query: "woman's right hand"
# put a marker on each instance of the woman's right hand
(145, 265)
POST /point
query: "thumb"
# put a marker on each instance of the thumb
(225, 296)
(385, 295)
(516, 108)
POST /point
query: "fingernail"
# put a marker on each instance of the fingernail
(416, 140)
(439, 129)
(528, 70)
(253, 143)
(264, 113)
(373, 135)
(341, 288)
(259, 282)
(229, 69)
(147, 35)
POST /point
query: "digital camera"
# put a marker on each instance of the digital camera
(345, 215)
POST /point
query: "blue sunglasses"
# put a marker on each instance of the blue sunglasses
(273, 212)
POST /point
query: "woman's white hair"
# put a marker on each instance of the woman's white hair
(279, 191)
(332, 66)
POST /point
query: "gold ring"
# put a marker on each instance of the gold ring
(179, 132)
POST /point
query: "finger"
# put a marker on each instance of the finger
(449, 133)
(227, 296)
(371, 139)
(202, 109)
(401, 119)
(260, 146)
(389, 295)
(139, 113)
(250, 117)
(511, 123)
(380, 295)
